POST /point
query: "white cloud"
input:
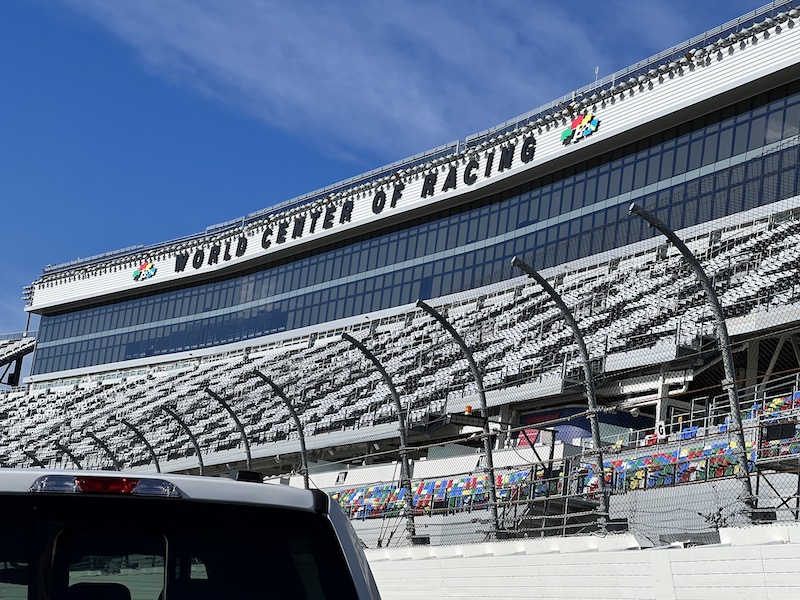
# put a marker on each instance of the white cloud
(394, 78)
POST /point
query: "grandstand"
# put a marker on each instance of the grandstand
(161, 357)
(13, 349)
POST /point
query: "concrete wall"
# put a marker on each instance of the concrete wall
(756, 562)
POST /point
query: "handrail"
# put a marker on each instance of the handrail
(19, 335)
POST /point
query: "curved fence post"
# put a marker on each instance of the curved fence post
(106, 449)
(188, 431)
(143, 439)
(239, 425)
(487, 439)
(588, 383)
(63, 448)
(33, 458)
(280, 393)
(405, 467)
(723, 343)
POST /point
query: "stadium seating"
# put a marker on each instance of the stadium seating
(684, 464)
(631, 303)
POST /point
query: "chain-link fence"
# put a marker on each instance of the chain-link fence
(678, 487)
(670, 468)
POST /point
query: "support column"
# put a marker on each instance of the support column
(753, 351)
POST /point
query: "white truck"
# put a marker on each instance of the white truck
(124, 535)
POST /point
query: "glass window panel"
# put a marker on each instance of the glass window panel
(788, 180)
(757, 133)
(578, 195)
(602, 186)
(590, 192)
(754, 169)
(681, 159)
(435, 239)
(640, 173)
(740, 138)
(555, 201)
(695, 154)
(374, 260)
(418, 244)
(774, 131)
(461, 233)
(653, 168)
(545, 206)
(524, 210)
(772, 163)
(725, 144)
(769, 189)
(668, 163)
(614, 182)
(567, 193)
(492, 224)
(586, 223)
(791, 125)
(736, 197)
(710, 149)
(513, 218)
(626, 184)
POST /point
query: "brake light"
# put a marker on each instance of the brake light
(128, 486)
(107, 485)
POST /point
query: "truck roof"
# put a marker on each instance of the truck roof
(220, 489)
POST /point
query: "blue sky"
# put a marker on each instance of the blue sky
(135, 122)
